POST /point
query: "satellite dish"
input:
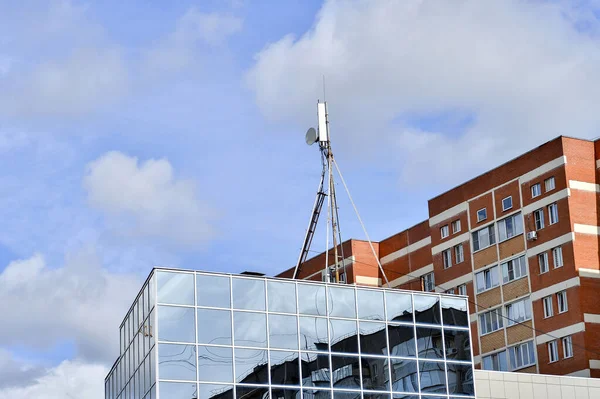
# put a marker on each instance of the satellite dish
(311, 136)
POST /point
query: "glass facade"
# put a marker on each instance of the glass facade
(237, 336)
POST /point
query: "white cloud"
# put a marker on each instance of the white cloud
(148, 197)
(521, 69)
(70, 379)
(15, 372)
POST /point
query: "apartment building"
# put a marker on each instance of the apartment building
(522, 241)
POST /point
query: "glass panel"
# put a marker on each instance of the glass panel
(177, 362)
(433, 377)
(213, 291)
(177, 390)
(315, 369)
(316, 394)
(343, 336)
(398, 306)
(282, 297)
(245, 392)
(342, 302)
(427, 309)
(279, 393)
(214, 326)
(406, 396)
(250, 329)
(375, 374)
(215, 391)
(311, 299)
(215, 364)
(454, 312)
(373, 338)
(313, 333)
(460, 379)
(283, 332)
(248, 293)
(176, 324)
(346, 395)
(251, 366)
(370, 304)
(175, 288)
(285, 368)
(345, 372)
(402, 340)
(458, 346)
(404, 375)
(429, 343)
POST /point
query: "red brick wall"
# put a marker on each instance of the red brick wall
(564, 366)
(485, 201)
(549, 232)
(553, 276)
(512, 190)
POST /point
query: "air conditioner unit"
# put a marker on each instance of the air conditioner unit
(532, 235)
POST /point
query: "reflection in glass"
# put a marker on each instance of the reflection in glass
(376, 395)
(370, 305)
(429, 343)
(285, 393)
(457, 345)
(346, 395)
(250, 329)
(209, 391)
(433, 377)
(373, 339)
(247, 392)
(343, 336)
(315, 369)
(176, 324)
(399, 306)
(248, 294)
(313, 333)
(177, 390)
(175, 288)
(214, 326)
(251, 366)
(177, 362)
(427, 309)
(342, 302)
(375, 374)
(405, 396)
(285, 368)
(402, 340)
(454, 311)
(316, 394)
(213, 291)
(282, 296)
(283, 332)
(345, 372)
(404, 375)
(311, 299)
(215, 364)
(460, 379)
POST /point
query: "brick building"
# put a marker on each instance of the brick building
(522, 241)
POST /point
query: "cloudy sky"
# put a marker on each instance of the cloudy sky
(143, 133)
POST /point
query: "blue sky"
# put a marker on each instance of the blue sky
(136, 134)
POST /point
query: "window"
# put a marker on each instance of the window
(518, 312)
(549, 183)
(491, 321)
(481, 215)
(543, 260)
(514, 269)
(510, 227)
(538, 216)
(536, 190)
(462, 289)
(507, 203)
(450, 291)
(548, 307)
(444, 231)
(459, 254)
(557, 256)
(484, 238)
(522, 355)
(552, 213)
(487, 279)
(567, 343)
(455, 226)
(553, 351)
(496, 362)
(447, 258)
(428, 282)
(561, 298)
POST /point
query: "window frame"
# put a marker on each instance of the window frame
(506, 208)
(491, 237)
(450, 291)
(522, 268)
(456, 227)
(548, 312)
(553, 351)
(546, 181)
(457, 252)
(495, 359)
(539, 190)
(447, 258)
(531, 350)
(432, 281)
(543, 255)
(485, 273)
(557, 250)
(460, 288)
(497, 312)
(517, 227)
(561, 296)
(484, 216)
(567, 342)
(444, 231)
(552, 206)
(538, 218)
(527, 310)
